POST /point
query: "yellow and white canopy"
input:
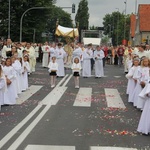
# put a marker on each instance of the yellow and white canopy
(66, 32)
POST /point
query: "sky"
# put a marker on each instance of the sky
(99, 8)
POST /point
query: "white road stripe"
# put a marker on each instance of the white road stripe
(18, 127)
(48, 147)
(83, 98)
(21, 124)
(62, 80)
(22, 137)
(25, 133)
(54, 96)
(110, 148)
(113, 98)
(28, 93)
(67, 80)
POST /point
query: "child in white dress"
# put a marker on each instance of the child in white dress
(76, 68)
(144, 123)
(53, 68)
(3, 86)
(131, 82)
(145, 74)
(10, 93)
(25, 70)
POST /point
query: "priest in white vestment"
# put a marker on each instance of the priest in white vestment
(86, 66)
(32, 58)
(98, 57)
(45, 50)
(60, 55)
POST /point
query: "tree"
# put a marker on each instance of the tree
(36, 19)
(114, 27)
(82, 16)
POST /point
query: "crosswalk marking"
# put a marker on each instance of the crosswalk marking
(83, 98)
(54, 96)
(28, 93)
(110, 148)
(113, 98)
(49, 147)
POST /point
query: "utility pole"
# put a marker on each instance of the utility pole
(117, 24)
(9, 20)
(125, 20)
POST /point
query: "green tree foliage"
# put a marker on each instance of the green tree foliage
(36, 19)
(114, 26)
(82, 16)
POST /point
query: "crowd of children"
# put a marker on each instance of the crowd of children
(138, 90)
(13, 78)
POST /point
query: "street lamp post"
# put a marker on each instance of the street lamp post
(125, 20)
(29, 10)
(9, 20)
(117, 25)
(23, 16)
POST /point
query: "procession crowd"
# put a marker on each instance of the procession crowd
(18, 61)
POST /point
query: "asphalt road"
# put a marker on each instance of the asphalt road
(65, 118)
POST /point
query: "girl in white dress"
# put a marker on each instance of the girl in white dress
(2, 86)
(53, 68)
(131, 82)
(76, 68)
(25, 70)
(17, 66)
(144, 123)
(144, 73)
(10, 93)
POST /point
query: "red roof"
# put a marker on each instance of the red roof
(132, 24)
(144, 17)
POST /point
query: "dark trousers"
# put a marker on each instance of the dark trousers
(92, 63)
(104, 59)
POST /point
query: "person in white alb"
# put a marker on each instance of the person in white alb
(32, 59)
(98, 57)
(45, 50)
(52, 50)
(60, 55)
(86, 66)
(6, 50)
(53, 68)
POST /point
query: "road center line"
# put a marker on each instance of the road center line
(23, 122)
(62, 80)
(18, 127)
(67, 80)
(25, 133)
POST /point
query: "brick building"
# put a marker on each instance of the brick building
(140, 25)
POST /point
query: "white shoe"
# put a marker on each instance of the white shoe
(52, 86)
(77, 87)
